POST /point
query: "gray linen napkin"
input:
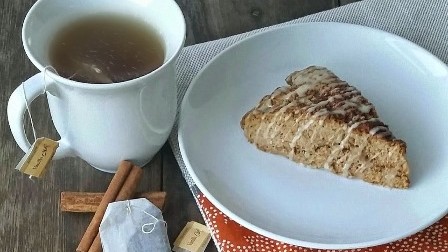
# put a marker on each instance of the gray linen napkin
(424, 22)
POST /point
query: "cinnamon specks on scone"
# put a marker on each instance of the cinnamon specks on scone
(321, 121)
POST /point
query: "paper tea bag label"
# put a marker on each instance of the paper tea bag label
(193, 238)
(36, 160)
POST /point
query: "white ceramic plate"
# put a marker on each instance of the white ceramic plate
(280, 199)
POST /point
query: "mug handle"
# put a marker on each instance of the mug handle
(33, 87)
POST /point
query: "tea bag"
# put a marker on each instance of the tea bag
(133, 226)
(90, 71)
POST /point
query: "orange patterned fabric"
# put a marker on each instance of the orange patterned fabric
(232, 237)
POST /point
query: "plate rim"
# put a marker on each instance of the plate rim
(259, 230)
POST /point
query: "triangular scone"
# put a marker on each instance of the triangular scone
(321, 121)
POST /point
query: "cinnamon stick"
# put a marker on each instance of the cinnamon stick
(88, 202)
(112, 191)
(80, 201)
(128, 189)
(131, 183)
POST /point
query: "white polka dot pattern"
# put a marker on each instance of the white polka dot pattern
(229, 236)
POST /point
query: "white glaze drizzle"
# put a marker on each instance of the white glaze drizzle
(352, 158)
(344, 141)
(280, 112)
(377, 129)
(390, 177)
(384, 133)
(257, 133)
(297, 136)
(365, 165)
(389, 154)
(299, 84)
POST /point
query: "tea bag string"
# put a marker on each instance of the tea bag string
(27, 105)
(144, 227)
(29, 113)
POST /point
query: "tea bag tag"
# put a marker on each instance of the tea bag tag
(36, 161)
(193, 238)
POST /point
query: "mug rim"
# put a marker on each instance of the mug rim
(114, 85)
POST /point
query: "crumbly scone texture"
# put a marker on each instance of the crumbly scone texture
(321, 121)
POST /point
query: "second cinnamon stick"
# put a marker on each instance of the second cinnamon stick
(128, 189)
(112, 191)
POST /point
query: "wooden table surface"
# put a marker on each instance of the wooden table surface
(30, 219)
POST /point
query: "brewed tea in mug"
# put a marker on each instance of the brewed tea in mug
(106, 48)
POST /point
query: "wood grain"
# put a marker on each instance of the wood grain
(344, 2)
(30, 219)
(213, 19)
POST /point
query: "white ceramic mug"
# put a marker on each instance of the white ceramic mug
(102, 123)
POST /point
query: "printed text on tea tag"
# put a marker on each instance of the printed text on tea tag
(193, 238)
(36, 160)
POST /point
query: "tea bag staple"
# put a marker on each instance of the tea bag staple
(133, 226)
